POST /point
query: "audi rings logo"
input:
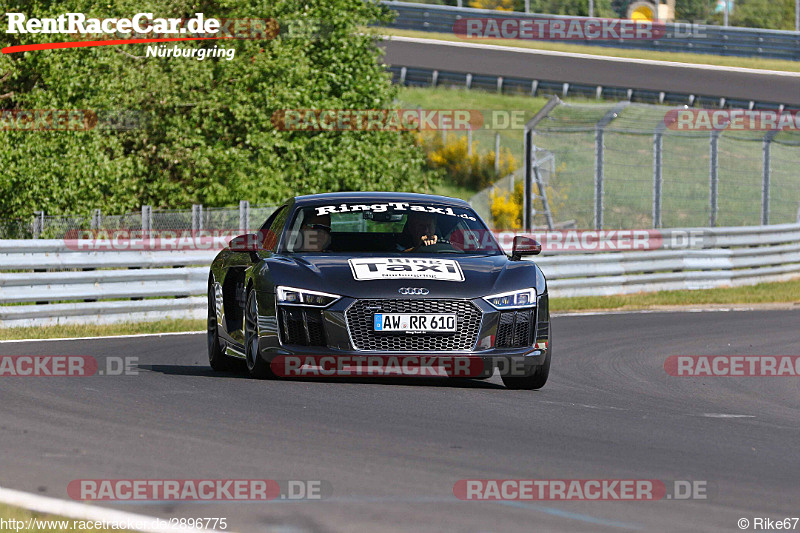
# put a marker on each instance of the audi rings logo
(413, 290)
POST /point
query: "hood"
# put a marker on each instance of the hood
(482, 275)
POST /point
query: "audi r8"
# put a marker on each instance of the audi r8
(373, 273)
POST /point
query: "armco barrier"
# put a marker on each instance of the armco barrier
(48, 282)
(718, 40)
(120, 286)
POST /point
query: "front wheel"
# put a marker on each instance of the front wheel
(216, 357)
(256, 366)
(535, 380)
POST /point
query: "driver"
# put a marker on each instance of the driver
(315, 233)
(419, 230)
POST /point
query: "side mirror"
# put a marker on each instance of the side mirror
(524, 246)
(249, 242)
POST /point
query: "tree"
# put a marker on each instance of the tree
(203, 130)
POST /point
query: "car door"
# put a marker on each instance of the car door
(236, 265)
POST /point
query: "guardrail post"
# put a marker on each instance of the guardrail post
(244, 216)
(713, 177)
(38, 223)
(658, 146)
(147, 219)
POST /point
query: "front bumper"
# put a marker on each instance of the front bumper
(338, 341)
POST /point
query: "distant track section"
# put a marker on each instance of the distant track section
(680, 82)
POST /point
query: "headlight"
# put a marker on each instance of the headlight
(513, 300)
(292, 296)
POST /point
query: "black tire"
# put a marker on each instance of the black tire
(256, 366)
(216, 357)
(535, 380)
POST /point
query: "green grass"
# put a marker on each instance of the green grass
(763, 293)
(460, 98)
(700, 59)
(453, 190)
(105, 330)
(629, 163)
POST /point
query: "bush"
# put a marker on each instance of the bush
(507, 206)
(204, 132)
(475, 171)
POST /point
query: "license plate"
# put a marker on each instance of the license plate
(415, 322)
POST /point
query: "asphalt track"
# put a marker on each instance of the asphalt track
(393, 449)
(475, 58)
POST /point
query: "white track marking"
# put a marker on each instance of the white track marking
(133, 336)
(575, 55)
(81, 511)
(723, 415)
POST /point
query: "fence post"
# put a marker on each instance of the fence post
(713, 177)
(38, 223)
(765, 175)
(765, 185)
(96, 216)
(527, 148)
(548, 215)
(658, 148)
(244, 216)
(147, 219)
(527, 199)
(497, 155)
(599, 133)
(598, 177)
(197, 217)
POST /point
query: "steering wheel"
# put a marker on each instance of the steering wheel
(440, 246)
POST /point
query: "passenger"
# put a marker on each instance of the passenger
(315, 234)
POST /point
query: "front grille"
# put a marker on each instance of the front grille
(302, 326)
(515, 329)
(360, 324)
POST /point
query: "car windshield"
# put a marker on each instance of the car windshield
(389, 227)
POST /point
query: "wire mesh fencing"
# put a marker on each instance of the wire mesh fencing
(629, 165)
(43, 226)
